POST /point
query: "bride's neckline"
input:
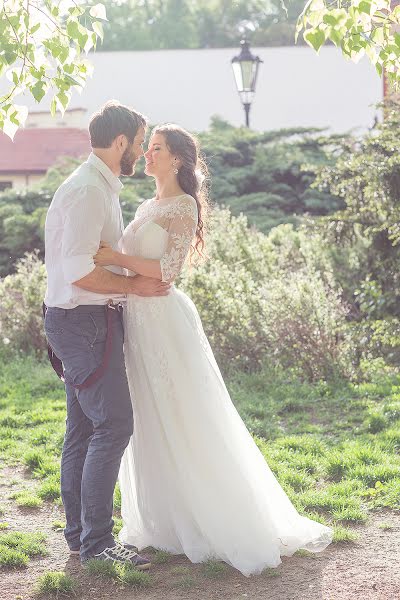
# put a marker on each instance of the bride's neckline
(166, 200)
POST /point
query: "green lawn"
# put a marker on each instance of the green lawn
(334, 448)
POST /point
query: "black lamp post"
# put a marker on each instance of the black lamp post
(245, 69)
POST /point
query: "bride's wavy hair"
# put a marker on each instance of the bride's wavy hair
(192, 174)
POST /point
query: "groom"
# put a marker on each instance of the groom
(84, 328)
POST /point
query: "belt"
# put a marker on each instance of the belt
(57, 365)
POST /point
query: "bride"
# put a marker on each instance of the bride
(192, 479)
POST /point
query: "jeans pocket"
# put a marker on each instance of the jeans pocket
(97, 332)
(52, 325)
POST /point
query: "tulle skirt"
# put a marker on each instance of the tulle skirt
(192, 479)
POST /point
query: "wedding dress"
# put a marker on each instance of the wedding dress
(192, 479)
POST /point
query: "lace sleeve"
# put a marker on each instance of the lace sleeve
(181, 231)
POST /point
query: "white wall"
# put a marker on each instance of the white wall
(20, 182)
(296, 87)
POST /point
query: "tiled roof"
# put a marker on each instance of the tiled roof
(35, 150)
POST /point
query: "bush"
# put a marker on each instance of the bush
(260, 299)
(304, 321)
(21, 297)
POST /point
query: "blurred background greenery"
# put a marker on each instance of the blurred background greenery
(304, 264)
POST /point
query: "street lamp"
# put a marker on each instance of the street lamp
(245, 69)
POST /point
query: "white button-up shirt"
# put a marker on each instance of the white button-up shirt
(84, 211)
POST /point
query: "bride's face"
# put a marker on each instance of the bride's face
(159, 160)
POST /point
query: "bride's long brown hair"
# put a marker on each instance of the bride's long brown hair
(192, 174)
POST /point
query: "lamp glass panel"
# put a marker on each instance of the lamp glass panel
(237, 71)
(247, 74)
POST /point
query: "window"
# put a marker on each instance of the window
(4, 185)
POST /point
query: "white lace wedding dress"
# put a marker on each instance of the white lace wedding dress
(192, 479)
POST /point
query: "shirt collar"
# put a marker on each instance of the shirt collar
(115, 184)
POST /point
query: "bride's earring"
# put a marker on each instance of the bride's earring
(175, 170)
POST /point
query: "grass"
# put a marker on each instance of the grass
(179, 570)
(385, 526)
(27, 499)
(131, 577)
(56, 583)
(343, 534)
(302, 553)
(16, 548)
(32, 544)
(213, 568)
(270, 572)
(117, 526)
(335, 448)
(124, 574)
(161, 557)
(186, 582)
(9, 557)
(101, 568)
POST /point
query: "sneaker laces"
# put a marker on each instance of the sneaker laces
(123, 552)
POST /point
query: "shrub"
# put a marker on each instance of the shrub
(304, 321)
(261, 299)
(21, 297)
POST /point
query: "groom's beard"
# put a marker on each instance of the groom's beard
(127, 162)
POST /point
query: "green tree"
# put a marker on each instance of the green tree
(358, 28)
(40, 49)
(268, 176)
(365, 235)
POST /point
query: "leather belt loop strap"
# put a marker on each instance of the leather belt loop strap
(97, 373)
(54, 360)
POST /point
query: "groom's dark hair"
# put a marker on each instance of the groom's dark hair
(114, 119)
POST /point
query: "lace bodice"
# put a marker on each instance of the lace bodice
(163, 230)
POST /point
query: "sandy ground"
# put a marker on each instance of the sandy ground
(365, 570)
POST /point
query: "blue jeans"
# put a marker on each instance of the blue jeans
(99, 422)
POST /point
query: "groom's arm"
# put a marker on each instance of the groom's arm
(105, 282)
(85, 214)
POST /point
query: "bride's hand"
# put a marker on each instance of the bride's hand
(105, 256)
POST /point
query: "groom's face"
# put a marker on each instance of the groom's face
(132, 153)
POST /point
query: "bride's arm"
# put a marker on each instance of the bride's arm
(142, 266)
(181, 231)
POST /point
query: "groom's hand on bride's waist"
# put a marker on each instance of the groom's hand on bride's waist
(147, 286)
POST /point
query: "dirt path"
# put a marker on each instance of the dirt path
(365, 570)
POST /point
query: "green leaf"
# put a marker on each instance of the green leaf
(35, 28)
(365, 7)
(335, 36)
(10, 57)
(69, 69)
(14, 118)
(71, 80)
(98, 29)
(330, 19)
(53, 107)
(72, 29)
(37, 91)
(63, 99)
(64, 53)
(315, 38)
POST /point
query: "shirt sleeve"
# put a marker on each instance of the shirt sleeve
(84, 221)
(181, 231)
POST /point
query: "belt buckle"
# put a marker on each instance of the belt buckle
(110, 304)
(117, 307)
